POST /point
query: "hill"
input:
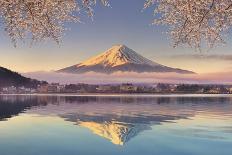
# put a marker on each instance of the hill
(10, 78)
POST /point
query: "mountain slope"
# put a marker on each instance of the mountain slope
(120, 58)
(9, 78)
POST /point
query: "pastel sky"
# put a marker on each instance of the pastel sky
(122, 23)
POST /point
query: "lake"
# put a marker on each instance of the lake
(116, 125)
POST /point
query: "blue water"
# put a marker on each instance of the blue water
(116, 125)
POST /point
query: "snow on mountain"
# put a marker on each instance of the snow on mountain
(118, 55)
(119, 133)
(120, 58)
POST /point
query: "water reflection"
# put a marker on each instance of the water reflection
(117, 128)
(119, 119)
(13, 105)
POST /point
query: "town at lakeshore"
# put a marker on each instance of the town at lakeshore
(159, 88)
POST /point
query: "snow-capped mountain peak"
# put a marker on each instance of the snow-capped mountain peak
(120, 58)
(116, 56)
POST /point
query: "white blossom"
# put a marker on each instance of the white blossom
(191, 22)
(194, 22)
(41, 19)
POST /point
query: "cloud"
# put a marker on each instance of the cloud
(222, 57)
(123, 77)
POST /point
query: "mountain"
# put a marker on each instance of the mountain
(10, 78)
(118, 133)
(120, 58)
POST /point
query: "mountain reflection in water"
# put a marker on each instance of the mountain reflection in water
(117, 119)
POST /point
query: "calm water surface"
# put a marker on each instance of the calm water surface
(115, 125)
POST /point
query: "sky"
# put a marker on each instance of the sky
(125, 22)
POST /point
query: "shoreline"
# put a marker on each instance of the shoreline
(119, 95)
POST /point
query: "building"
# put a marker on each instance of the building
(230, 90)
(53, 88)
(9, 90)
(215, 91)
(128, 88)
(104, 88)
(23, 90)
(43, 88)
